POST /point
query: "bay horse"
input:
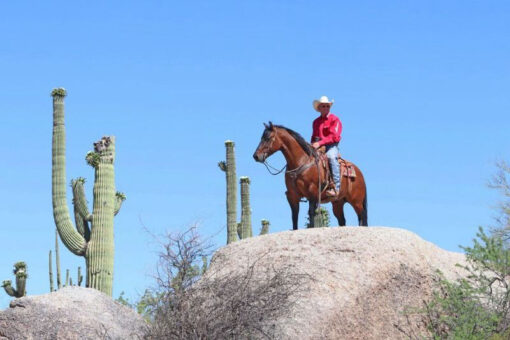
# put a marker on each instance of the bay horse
(304, 173)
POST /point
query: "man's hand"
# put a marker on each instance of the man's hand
(316, 145)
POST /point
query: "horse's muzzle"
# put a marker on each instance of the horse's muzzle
(258, 158)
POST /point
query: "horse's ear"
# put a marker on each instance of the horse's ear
(270, 125)
(266, 126)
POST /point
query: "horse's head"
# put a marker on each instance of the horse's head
(269, 143)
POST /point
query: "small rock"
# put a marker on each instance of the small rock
(70, 313)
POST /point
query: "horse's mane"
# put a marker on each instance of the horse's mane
(307, 147)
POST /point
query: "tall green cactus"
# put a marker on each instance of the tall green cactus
(52, 288)
(57, 261)
(229, 167)
(80, 277)
(242, 229)
(20, 271)
(246, 228)
(67, 278)
(93, 235)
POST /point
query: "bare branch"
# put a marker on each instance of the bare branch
(244, 303)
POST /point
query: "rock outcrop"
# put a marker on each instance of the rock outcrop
(362, 278)
(70, 313)
(360, 281)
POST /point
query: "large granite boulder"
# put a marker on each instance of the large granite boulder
(70, 313)
(362, 278)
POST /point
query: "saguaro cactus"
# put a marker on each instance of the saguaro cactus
(67, 278)
(57, 261)
(229, 167)
(20, 271)
(265, 227)
(246, 229)
(93, 235)
(80, 277)
(321, 218)
(52, 288)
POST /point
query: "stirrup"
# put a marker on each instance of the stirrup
(332, 193)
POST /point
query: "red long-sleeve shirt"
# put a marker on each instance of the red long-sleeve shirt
(327, 130)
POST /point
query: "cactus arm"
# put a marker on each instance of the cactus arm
(70, 236)
(79, 222)
(67, 278)
(82, 225)
(265, 227)
(50, 265)
(81, 211)
(229, 167)
(79, 200)
(245, 208)
(9, 289)
(119, 199)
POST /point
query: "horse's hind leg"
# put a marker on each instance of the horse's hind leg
(361, 211)
(338, 210)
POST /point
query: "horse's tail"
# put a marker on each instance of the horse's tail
(365, 210)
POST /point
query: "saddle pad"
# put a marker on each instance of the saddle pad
(347, 170)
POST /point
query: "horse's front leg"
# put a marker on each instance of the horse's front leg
(294, 206)
(312, 208)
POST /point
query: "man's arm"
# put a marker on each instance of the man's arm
(335, 130)
(315, 132)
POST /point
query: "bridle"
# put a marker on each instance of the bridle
(268, 166)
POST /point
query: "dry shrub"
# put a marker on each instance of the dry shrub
(221, 304)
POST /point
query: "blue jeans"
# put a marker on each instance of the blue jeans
(332, 153)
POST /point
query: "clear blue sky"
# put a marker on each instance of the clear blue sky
(422, 89)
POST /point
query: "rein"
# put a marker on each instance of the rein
(317, 161)
(293, 172)
(277, 172)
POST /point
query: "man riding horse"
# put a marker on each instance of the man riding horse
(327, 129)
(305, 177)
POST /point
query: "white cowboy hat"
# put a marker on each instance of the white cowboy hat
(322, 100)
